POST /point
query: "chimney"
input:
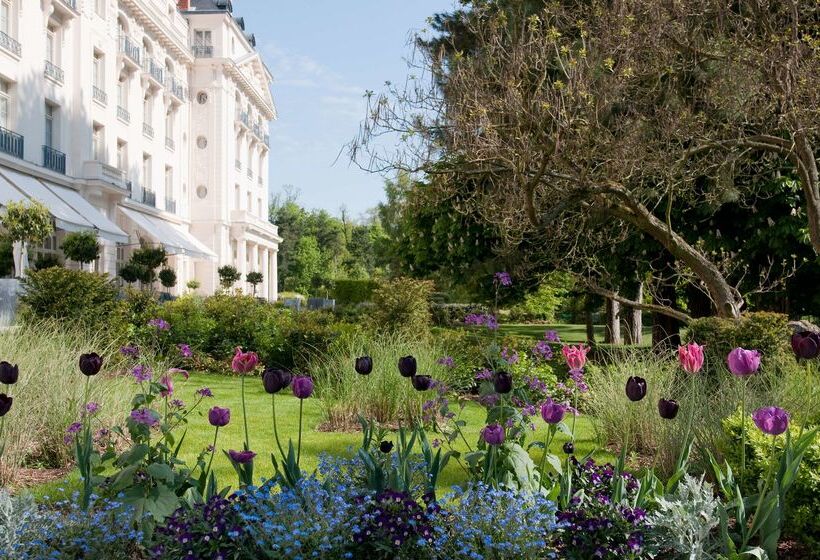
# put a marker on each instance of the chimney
(184, 4)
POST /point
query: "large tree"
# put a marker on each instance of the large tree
(587, 118)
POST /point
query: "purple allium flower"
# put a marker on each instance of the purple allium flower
(185, 350)
(159, 324)
(130, 351)
(493, 434)
(219, 417)
(503, 278)
(302, 386)
(446, 361)
(771, 420)
(145, 416)
(92, 408)
(509, 356)
(74, 428)
(141, 373)
(204, 392)
(742, 362)
(484, 375)
(481, 319)
(241, 457)
(551, 336)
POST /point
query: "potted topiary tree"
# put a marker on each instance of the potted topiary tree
(168, 278)
(253, 279)
(143, 264)
(26, 223)
(193, 285)
(81, 247)
(228, 276)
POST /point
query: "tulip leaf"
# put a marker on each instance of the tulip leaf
(161, 471)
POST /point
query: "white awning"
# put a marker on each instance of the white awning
(65, 217)
(175, 240)
(9, 193)
(105, 227)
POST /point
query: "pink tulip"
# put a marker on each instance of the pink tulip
(169, 385)
(244, 362)
(691, 357)
(576, 356)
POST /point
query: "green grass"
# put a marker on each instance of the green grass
(227, 393)
(568, 333)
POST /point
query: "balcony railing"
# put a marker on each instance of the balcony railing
(148, 130)
(130, 49)
(99, 95)
(169, 143)
(53, 159)
(54, 72)
(245, 119)
(202, 51)
(170, 205)
(250, 173)
(238, 164)
(123, 114)
(153, 69)
(176, 87)
(129, 188)
(11, 45)
(71, 4)
(149, 197)
(11, 143)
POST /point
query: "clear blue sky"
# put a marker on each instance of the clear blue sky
(323, 55)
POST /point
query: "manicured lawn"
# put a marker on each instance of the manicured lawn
(568, 333)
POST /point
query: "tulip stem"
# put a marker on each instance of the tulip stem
(213, 452)
(245, 415)
(760, 499)
(743, 431)
(547, 442)
(275, 431)
(299, 444)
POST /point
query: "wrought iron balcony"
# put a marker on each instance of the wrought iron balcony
(99, 95)
(176, 87)
(129, 188)
(238, 164)
(71, 4)
(245, 119)
(11, 45)
(149, 197)
(154, 70)
(148, 130)
(130, 49)
(53, 159)
(123, 114)
(202, 51)
(11, 143)
(54, 72)
(250, 173)
(267, 140)
(169, 143)
(170, 205)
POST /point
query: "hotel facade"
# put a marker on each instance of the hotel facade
(145, 121)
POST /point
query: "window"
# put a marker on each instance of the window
(169, 182)
(122, 156)
(147, 109)
(249, 207)
(5, 17)
(202, 38)
(169, 124)
(98, 142)
(5, 104)
(51, 51)
(237, 197)
(98, 78)
(122, 93)
(259, 207)
(99, 7)
(51, 117)
(146, 172)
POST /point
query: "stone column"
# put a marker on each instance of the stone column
(274, 275)
(254, 266)
(242, 257)
(266, 274)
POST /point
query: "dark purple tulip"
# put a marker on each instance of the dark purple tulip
(771, 420)
(806, 344)
(502, 381)
(569, 448)
(552, 412)
(407, 366)
(9, 373)
(275, 379)
(421, 382)
(5, 404)
(241, 457)
(302, 386)
(90, 364)
(668, 408)
(364, 365)
(635, 388)
(493, 434)
(219, 417)
(386, 446)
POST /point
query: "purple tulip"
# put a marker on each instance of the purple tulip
(276, 379)
(771, 420)
(552, 412)
(806, 344)
(364, 365)
(407, 366)
(493, 434)
(635, 388)
(302, 386)
(502, 382)
(241, 457)
(219, 417)
(90, 364)
(742, 362)
(668, 408)
(9, 373)
(421, 382)
(5, 404)
(569, 448)
(386, 446)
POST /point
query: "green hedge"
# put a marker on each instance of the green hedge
(764, 331)
(347, 292)
(452, 314)
(403, 305)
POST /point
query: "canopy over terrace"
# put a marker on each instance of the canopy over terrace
(175, 240)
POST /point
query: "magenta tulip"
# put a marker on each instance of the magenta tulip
(742, 362)
(771, 420)
(244, 362)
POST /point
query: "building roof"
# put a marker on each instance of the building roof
(211, 5)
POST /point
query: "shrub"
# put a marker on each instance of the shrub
(145, 261)
(452, 314)
(402, 305)
(168, 278)
(254, 279)
(76, 296)
(347, 292)
(228, 276)
(193, 285)
(543, 304)
(46, 260)
(81, 247)
(190, 324)
(132, 316)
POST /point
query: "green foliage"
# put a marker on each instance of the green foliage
(131, 272)
(84, 298)
(228, 276)
(403, 305)
(452, 314)
(546, 301)
(305, 267)
(133, 313)
(81, 247)
(168, 277)
(6, 257)
(347, 291)
(193, 285)
(29, 222)
(143, 264)
(46, 260)
(254, 278)
(767, 332)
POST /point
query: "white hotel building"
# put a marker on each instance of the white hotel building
(145, 121)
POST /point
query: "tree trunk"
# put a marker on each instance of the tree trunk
(588, 320)
(633, 319)
(665, 329)
(810, 181)
(612, 333)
